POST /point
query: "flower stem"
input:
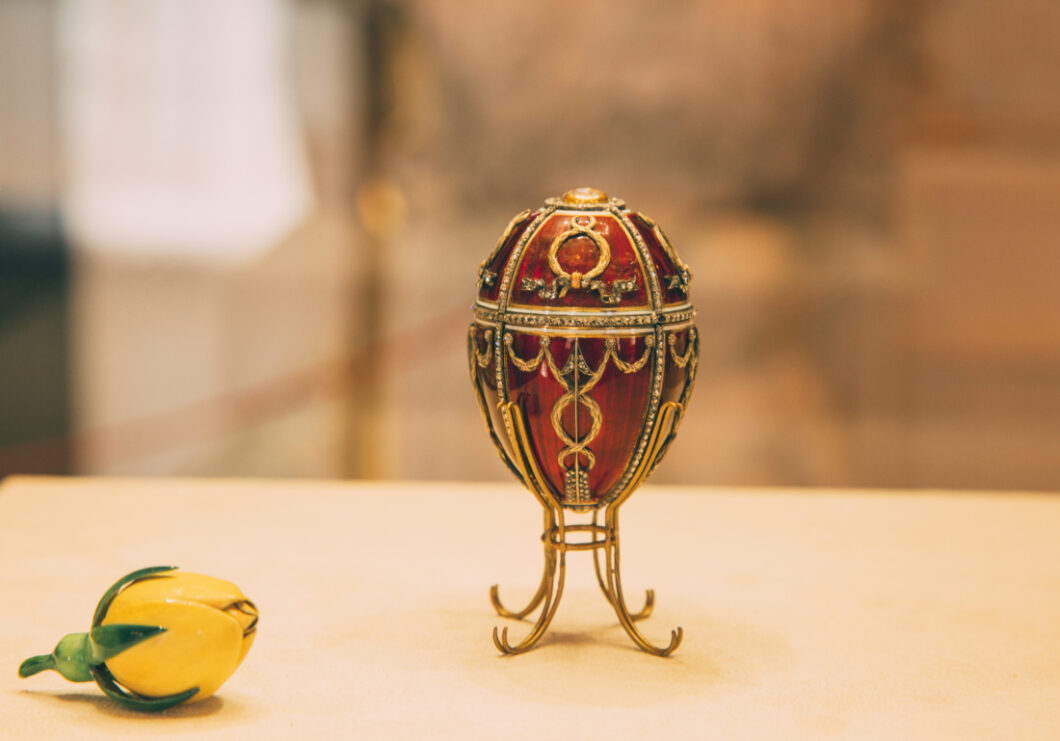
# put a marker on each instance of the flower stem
(35, 664)
(70, 658)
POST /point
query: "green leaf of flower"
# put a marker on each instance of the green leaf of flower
(105, 681)
(110, 594)
(110, 640)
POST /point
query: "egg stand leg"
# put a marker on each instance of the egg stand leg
(669, 414)
(549, 592)
(614, 592)
(602, 537)
(542, 589)
(649, 596)
(556, 546)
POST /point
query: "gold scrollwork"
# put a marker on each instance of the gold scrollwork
(610, 353)
(515, 222)
(528, 366)
(576, 392)
(683, 277)
(690, 346)
(486, 277)
(580, 226)
(482, 358)
(636, 365)
(679, 281)
(665, 243)
(609, 294)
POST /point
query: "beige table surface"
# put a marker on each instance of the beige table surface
(807, 614)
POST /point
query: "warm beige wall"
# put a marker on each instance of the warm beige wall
(864, 192)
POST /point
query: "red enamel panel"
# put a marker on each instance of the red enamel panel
(579, 254)
(495, 266)
(664, 266)
(622, 399)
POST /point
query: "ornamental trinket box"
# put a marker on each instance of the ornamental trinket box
(583, 355)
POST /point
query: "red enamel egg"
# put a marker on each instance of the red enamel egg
(582, 349)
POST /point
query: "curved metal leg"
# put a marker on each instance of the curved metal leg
(542, 589)
(551, 602)
(614, 583)
(495, 598)
(608, 578)
(649, 594)
(549, 592)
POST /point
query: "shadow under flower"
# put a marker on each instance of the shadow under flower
(107, 706)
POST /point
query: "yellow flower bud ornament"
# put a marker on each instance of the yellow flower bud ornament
(159, 637)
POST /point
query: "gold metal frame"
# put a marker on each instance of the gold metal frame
(556, 544)
(576, 393)
(657, 321)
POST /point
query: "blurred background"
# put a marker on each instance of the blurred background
(241, 237)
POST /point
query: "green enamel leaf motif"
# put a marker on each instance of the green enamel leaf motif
(108, 641)
(106, 682)
(110, 594)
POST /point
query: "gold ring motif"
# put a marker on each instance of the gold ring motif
(577, 230)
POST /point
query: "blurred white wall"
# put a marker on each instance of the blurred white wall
(213, 272)
(279, 206)
(180, 134)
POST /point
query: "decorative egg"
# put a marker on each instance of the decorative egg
(582, 350)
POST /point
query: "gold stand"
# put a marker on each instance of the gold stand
(602, 537)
